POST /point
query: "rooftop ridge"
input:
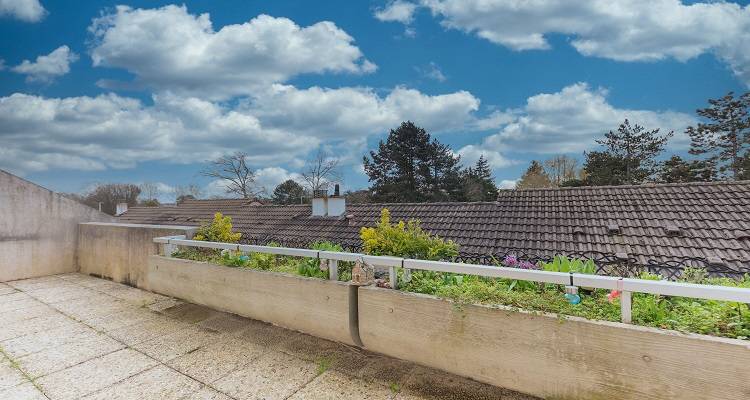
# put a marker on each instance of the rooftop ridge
(643, 185)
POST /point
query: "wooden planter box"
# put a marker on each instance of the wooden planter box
(314, 306)
(553, 358)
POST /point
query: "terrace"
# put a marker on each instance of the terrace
(73, 336)
(93, 308)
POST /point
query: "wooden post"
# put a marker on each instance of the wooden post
(333, 270)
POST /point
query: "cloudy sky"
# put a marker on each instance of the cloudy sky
(146, 91)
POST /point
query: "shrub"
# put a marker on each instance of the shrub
(219, 230)
(565, 264)
(405, 239)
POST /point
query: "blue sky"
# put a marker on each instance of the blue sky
(148, 91)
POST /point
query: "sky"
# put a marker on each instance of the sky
(147, 91)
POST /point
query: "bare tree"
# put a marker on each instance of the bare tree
(321, 170)
(184, 192)
(149, 191)
(561, 168)
(238, 178)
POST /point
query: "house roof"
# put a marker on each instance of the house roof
(648, 224)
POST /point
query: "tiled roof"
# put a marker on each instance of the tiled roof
(668, 222)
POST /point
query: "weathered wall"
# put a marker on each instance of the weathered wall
(120, 251)
(314, 306)
(38, 229)
(551, 358)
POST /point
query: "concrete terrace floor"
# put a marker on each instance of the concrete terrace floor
(74, 336)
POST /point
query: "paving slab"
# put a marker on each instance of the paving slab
(5, 289)
(96, 306)
(426, 383)
(39, 341)
(25, 391)
(225, 323)
(181, 342)
(215, 360)
(61, 293)
(158, 382)
(135, 296)
(272, 376)
(36, 283)
(17, 301)
(121, 319)
(147, 330)
(22, 314)
(334, 385)
(60, 357)
(190, 313)
(206, 393)
(10, 376)
(94, 375)
(33, 325)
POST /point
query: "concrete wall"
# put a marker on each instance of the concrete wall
(38, 229)
(551, 358)
(314, 306)
(120, 251)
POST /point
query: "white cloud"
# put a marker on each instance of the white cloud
(169, 49)
(354, 113)
(627, 30)
(570, 120)
(281, 126)
(25, 10)
(471, 153)
(110, 131)
(507, 183)
(396, 11)
(48, 67)
(432, 71)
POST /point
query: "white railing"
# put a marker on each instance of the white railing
(626, 286)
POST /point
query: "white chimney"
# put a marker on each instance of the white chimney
(121, 208)
(324, 206)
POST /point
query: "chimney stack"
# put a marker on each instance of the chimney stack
(325, 206)
(122, 208)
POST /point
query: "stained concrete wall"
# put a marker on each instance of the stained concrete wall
(314, 306)
(38, 229)
(120, 251)
(557, 359)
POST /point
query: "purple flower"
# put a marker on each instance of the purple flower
(526, 265)
(510, 261)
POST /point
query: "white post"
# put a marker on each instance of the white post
(393, 277)
(626, 302)
(169, 249)
(333, 270)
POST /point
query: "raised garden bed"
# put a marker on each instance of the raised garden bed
(315, 306)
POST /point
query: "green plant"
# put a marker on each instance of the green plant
(234, 258)
(219, 230)
(405, 239)
(565, 264)
(310, 267)
(324, 363)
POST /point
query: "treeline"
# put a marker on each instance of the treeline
(719, 149)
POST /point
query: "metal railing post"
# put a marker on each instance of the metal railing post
(333, 270)
(626, 307)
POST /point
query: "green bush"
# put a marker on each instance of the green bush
(219, 230)
(405, 239)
